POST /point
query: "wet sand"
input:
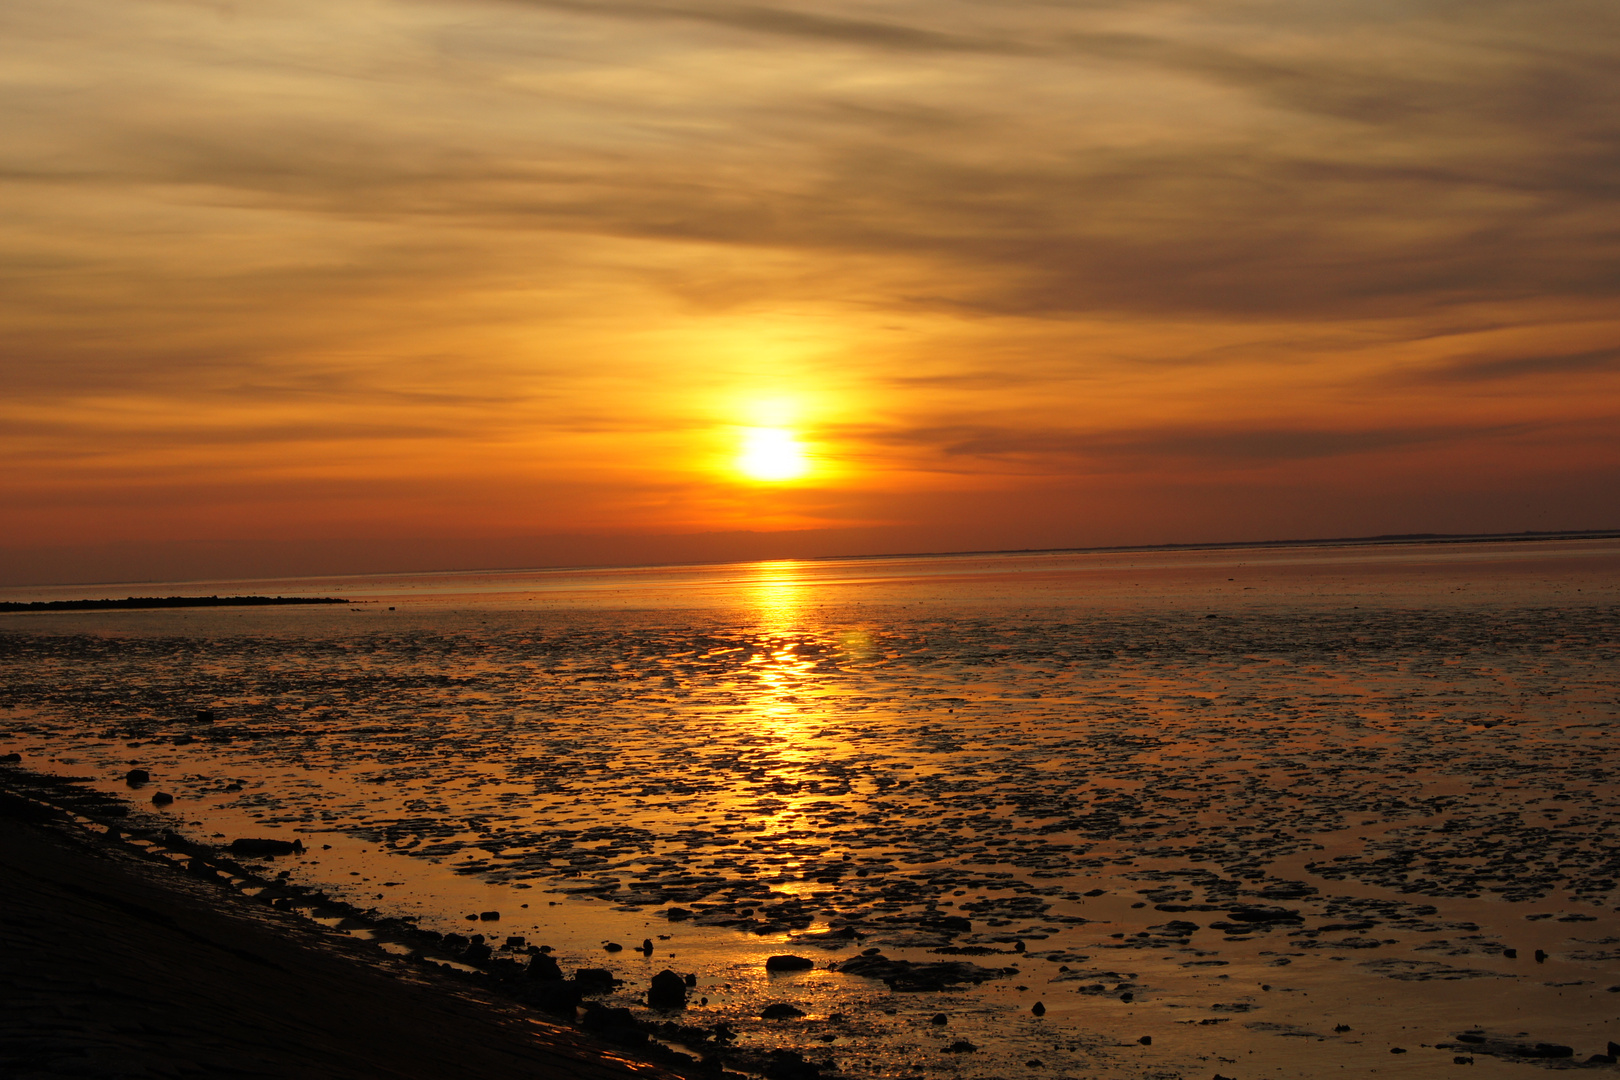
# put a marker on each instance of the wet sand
(111, 966)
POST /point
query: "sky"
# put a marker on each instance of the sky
(345, 286)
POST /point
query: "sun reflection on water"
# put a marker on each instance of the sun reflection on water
(785, 707)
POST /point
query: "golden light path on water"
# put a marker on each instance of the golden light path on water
(783, 702)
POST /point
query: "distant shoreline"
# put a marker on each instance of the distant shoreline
(137, 602)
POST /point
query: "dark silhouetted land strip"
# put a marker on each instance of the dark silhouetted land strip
(136, 602)
(113, 967)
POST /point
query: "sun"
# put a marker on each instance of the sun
(772, 455)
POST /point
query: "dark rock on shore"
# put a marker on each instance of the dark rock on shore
(595, 981)
(668, 991)
(543, 968)
(137, 777)
(1478, 1042)
(903, 975)
(258, 848)
(613, 1024)
(781, 1010)
(789, 963)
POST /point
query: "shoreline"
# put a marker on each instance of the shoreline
(117, 962)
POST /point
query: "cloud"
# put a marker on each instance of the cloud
(1493, 368)
(795, 24)
(1212, 447)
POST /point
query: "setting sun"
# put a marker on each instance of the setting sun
(771, 454)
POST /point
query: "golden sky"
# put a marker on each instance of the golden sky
(348, 285)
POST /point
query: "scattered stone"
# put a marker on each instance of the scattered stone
(960, 1046)
(137, 777)
(616, 1025)
(789, 963)
(1038, 1009)
(543, 967)
(903, 975)
(595, 981)
(668, 991)
(780, 1010)
(1478, 1042)
(162, 798)
(13, 758)
(1146, 1040)
(254, 847)
(612, 946)
(939, 1019)
(489, 916)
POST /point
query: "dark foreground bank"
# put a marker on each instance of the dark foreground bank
(113, 964)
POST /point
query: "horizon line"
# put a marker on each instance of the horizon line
(1522, 536)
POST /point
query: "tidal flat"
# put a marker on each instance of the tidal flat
(1295, 812)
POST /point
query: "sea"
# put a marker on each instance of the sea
(1294, 811)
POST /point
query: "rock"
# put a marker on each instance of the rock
(255, 847)
(939, 1019)
(137, 777)
(555, 996)
(1259, 914)
(951, 922)
(612, 946)
(677, 914)
(1038, 1009)
(162, 798)
(1511, 954)
(1475, 1042)
(668, 991)
(515, 941)
(478, 950)
(1341, 1028)
(205, 716)
(647, 947)
(595, 980)
(11, 758)
(615, 1025)
(960, 1046)
(1541, 957)
(543, 968)
(780, 1010)
(1127, 996)
(789, 1065)
(489, 916)
(1613, 1050)
(903, 975)
(691, 980)
(1146, 1040)
(789, 963)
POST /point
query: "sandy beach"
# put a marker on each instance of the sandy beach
(115, 965)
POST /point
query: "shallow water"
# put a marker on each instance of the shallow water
(1093, 759)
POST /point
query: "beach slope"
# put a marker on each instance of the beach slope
(111, 967)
